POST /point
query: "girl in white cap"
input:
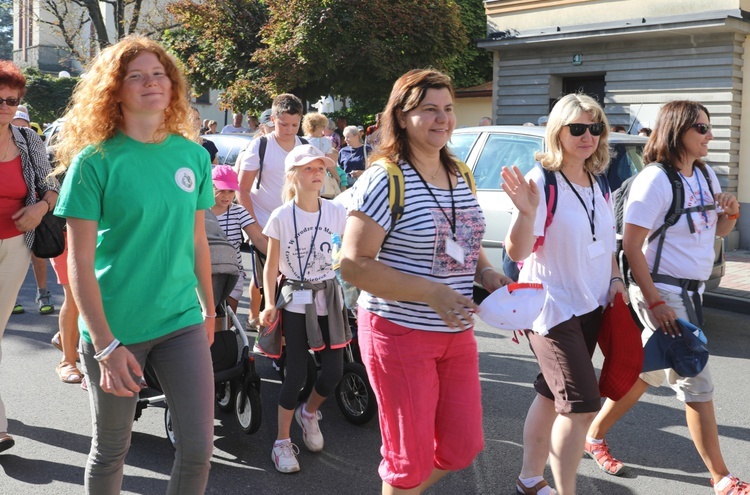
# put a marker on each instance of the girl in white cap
(299, 247)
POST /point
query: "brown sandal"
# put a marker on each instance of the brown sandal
(522, 489)
(68, 373)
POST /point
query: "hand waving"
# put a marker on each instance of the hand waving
(525, 195)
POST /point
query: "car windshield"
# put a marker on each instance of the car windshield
(626, 160)
(229, 147)
(505, 150)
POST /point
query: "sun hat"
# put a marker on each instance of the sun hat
(304, 154)
(514, 306)
(225, 178)
(22, 115)
(621, 345)
(686, 354)
(265, 118)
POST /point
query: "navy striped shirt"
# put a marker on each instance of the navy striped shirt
(416, 245)
(232, 222)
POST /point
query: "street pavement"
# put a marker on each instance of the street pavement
(51, 423)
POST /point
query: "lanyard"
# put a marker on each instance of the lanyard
(583, 203)
(453, 203)
(700, 193)
(312, 243)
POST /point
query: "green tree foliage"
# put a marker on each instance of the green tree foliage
(46, 96)
(216, 43)
(6, 30)
(474, 65)
(355, 48)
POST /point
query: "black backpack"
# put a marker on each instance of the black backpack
(510, 267)
(675, 211)
(262, 156)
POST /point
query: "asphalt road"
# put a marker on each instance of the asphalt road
(51, 423)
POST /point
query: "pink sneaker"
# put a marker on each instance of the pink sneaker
(735, 487)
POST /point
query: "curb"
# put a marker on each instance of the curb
(726, 303)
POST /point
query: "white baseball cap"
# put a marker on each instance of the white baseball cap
(304, 154)
(22, 115)
(514, 307)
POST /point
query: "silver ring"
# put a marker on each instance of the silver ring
(450, 311)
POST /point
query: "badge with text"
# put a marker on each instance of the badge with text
(303, 296)
(454, 250)
(596, 249)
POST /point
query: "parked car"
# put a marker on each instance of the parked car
(486, 150)
(229, 145)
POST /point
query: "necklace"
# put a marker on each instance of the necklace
(7, 148)
(437, 172)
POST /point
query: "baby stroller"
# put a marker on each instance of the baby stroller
(236, 380)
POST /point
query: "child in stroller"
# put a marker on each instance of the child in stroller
(236, 380)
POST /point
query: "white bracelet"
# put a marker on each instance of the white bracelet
(101, 355)
(481, 274)
(208, 316)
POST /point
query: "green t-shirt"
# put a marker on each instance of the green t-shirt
(144, 197)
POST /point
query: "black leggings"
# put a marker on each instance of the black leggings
(332, 360)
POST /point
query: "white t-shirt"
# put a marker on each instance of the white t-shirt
(268, 197)
(322, 143)
(232, 222)
(230, 129)
(576, 283)
(295, 249)
(684, 255)
(416, 245)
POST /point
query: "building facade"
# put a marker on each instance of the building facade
(634, 56)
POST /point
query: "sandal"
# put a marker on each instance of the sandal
(6, 442)
(68, 373)
(522, 489)
(252, 325)
(18, 309)
(45, 306)
(607, 463)
(55, 341)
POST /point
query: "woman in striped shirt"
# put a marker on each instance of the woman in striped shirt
(415, 316)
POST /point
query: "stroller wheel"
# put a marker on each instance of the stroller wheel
(168, 426)
(248, 411)
(225, 395)
(354, 395)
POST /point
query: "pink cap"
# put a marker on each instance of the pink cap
(225, 178)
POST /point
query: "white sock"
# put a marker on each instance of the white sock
(723, 483)
(530, 482)
(306, 414)
(594, 440)
(281, 442)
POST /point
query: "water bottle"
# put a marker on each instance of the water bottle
(351, 293)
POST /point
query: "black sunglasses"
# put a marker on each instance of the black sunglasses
(579, 129)
(12, 102)
(702, 128)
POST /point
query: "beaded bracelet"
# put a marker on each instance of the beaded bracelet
(104, 353)
(657, 303)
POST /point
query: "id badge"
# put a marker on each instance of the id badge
(303, 296)
(454, 250)
(596, 249)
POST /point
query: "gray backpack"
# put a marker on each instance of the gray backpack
(223, 254)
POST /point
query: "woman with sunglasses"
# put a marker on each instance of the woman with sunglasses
(574, 257)
(680, 139)
(26, 195)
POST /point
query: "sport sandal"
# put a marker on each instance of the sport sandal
(45, 306)
(735, 487)
(522, 489)
(605, 461)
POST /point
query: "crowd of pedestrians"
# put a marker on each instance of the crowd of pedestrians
(135, 218)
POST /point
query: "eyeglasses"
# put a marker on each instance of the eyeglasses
(579, 129)
(12, 102)
(702, 128)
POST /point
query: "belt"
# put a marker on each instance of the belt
(692, 305)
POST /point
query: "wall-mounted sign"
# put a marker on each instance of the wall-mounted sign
(577, 59)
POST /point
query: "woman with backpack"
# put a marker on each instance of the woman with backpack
(669, 277)
(572, 254)
(415, 318)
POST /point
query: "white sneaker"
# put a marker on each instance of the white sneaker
(310, 430)
(284, 457)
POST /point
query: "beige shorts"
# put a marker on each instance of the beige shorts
(699, 388)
